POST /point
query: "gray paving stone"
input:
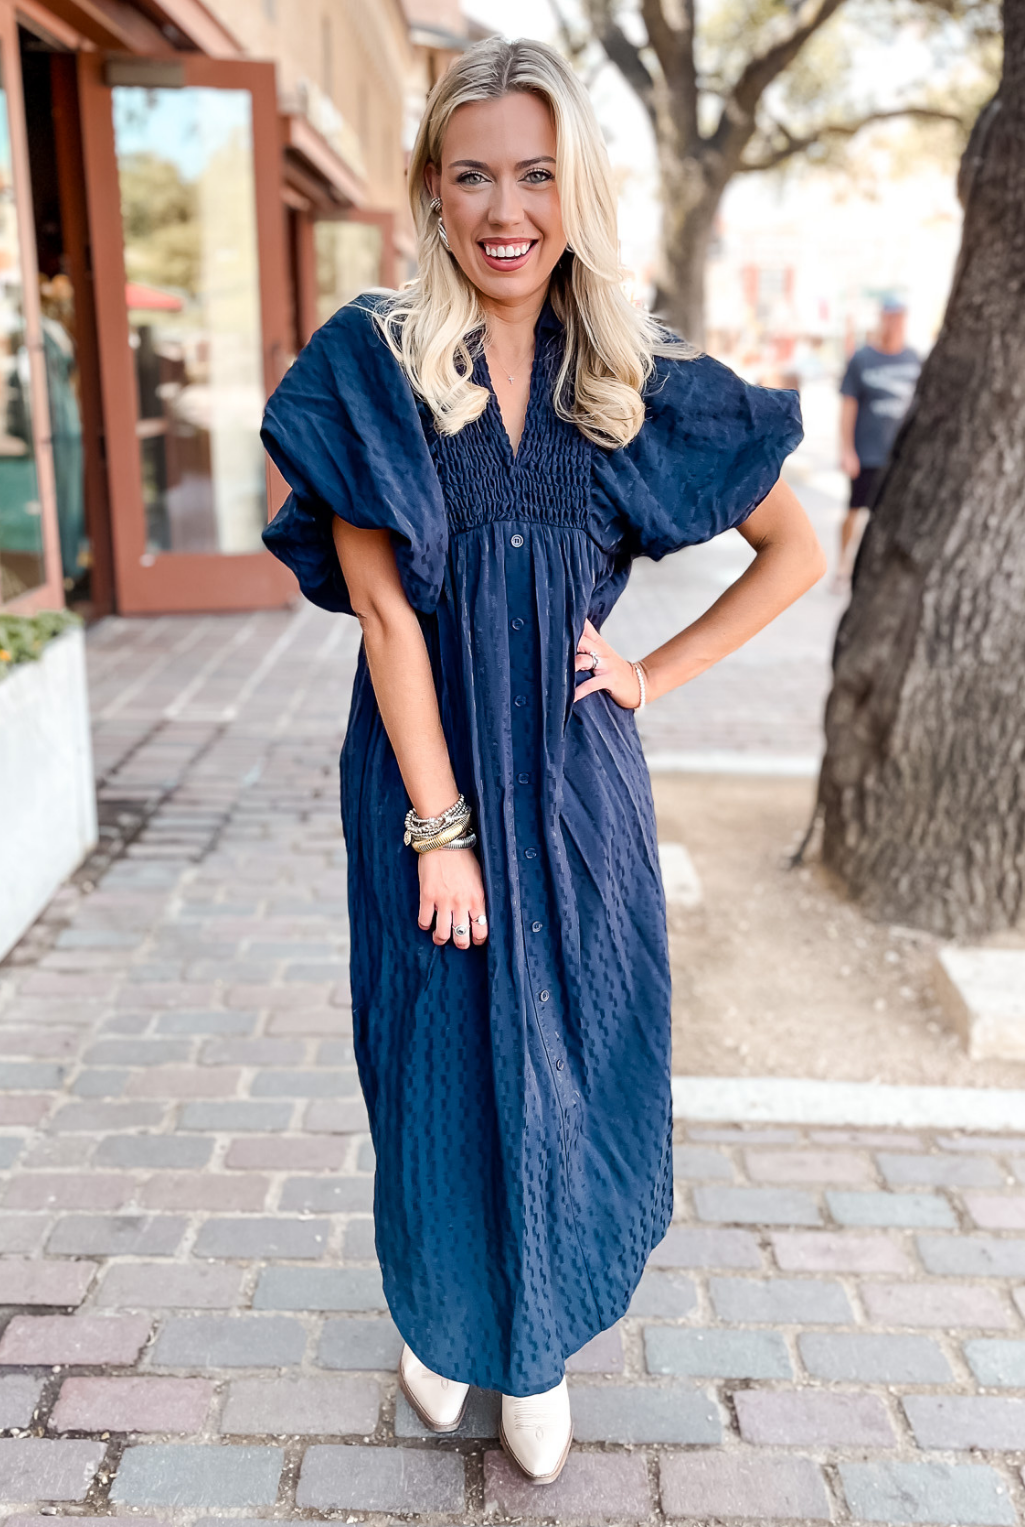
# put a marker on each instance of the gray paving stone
(602, 1354)
(839, 1251)
(34, 1281)
(961, 1421)
(328, 1195)
(592, 1487)
(252, 1052)
(19, 1394)
(40, 1469)
(358, 1240)
(226, 1341)
(156, 1285)
(756, 1206)
(30, 1075)
(175, 1152)
(380, 1479)
(235, 1117)
(644, 1413)
(716, 1354)
(336, 1052)
(894, 1492)
(665, 1294)
(698, 1163)
(10, 1150)
(191, 1474)
(23, 1232)
(322, 1407)
(319, 1288)
(100, 1082)
(916, 1210)
(97, 1117)
(699, 1486)
(972, 1256)
(699, 1246)
(949, 1305)
(481, 1417)
(263, 1236)
(140, 1235)
(873, 1358)
(360, 1344)
(780, 1301)
(314, 1083)
(812, 1418)
(939, 1171)
(997, 1364)
(137, 1052)
(206, 1023)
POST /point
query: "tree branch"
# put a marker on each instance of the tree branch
(673, 46)
(622, 52)
(737, 122)
(795, 145)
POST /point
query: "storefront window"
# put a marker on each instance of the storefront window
(348, 262)
(21, 525)
(188, 209)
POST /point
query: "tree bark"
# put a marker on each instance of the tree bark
(689, 206)
(923, 782)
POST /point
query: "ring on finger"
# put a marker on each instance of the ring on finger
(460, 931)
(481, 919)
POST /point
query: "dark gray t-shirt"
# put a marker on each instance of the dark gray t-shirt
(883, 386)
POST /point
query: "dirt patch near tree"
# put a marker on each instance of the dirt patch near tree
(775, 975)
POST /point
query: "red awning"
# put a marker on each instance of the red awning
(139, 296)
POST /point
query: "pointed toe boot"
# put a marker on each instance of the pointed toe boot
(537, 1432)
(439, 1402)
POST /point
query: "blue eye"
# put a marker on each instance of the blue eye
(543, 174)
(470, 177)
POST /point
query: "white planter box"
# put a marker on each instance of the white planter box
(47, 794)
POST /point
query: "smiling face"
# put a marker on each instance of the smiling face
(500, 202)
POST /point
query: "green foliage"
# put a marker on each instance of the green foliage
(23, 637)
(160, 216)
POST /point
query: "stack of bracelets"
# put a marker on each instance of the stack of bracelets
(450, 830)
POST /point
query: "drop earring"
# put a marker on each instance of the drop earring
(436, 207)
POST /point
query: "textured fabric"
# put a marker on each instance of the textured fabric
(518, 1092)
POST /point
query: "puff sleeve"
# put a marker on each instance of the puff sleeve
(344, 430)
(709, 451)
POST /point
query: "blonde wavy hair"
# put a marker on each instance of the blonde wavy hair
(436, 324)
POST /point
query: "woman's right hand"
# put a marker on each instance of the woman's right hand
(452, 895)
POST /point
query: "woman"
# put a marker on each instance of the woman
(475, 462)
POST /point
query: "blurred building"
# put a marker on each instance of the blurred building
(187, 190)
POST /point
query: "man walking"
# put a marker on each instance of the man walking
(876, 390)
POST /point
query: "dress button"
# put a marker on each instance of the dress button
(516, 540)
(530, 853)
(544, 995)
(523, 779)
(517, 624)
(520, 701)
(536, 927)
(559, 1065)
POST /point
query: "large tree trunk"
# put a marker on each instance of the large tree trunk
(689, 206)
(923, 782)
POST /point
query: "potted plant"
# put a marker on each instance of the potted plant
(48, 817)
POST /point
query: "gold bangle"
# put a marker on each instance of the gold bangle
(447, 835)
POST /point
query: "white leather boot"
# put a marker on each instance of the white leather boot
(438, 1402)
(537, 1431)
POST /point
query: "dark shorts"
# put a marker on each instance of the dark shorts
(864, 488)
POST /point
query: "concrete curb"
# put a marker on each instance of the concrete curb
(735, 761)
(792, 1100)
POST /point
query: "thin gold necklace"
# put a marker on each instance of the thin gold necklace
(511, 376)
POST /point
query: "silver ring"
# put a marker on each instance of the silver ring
(589, 652)
(460, 931)
(480, 919)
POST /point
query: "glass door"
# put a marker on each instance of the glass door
(30, 570)
(187, 221)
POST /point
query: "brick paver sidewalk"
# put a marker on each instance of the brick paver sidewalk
(193, 1325)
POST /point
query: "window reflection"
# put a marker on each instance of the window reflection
(185, 166)
(22, 564)
(348, 262)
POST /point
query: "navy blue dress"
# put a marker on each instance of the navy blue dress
(518, 1092)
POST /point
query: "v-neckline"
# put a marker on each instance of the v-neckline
(540, 341)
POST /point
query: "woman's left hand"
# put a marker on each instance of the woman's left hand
(614, 673)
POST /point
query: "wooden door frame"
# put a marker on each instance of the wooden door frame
(49, 595)
(179, 581)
